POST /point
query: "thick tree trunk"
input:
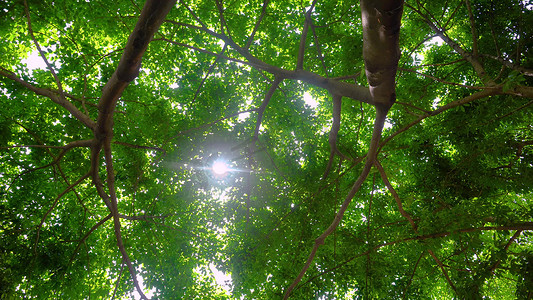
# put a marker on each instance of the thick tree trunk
(381, 52)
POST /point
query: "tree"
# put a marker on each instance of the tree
(408, 177)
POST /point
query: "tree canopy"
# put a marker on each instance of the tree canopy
(372, 150)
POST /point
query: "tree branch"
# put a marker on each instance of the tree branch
(409, 218)
(303, 37)
(257, 23)
(183, 132)
(510, 65)
(83, 118)
(41, 53)
(221, 16)
(371, 157)
(385, 179)
(476, 96)
(70, 187)
(478, 67)
(208, 73)
(116, 217)
(138, 146)
(519, 226)
(511, 240)
(442, 269)
(473, 29)
(333, 133)
(143, 217)
(344, 89)
(66, 148)
(318, 49)
(152, 15)
(262, 108)
(446, 82)
(412, 274)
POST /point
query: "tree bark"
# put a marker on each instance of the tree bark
(381, 52)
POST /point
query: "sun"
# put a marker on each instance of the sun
(220, 167)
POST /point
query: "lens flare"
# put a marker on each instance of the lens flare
(220, 168)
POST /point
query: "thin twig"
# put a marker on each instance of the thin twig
(472, 28)
(41, 52)
(138, 146)
(43, 218)
(219, 57)
(394, 194)
(511, 240)
(257, 23)
(520, 226)
(441, 32)
(262, 108)
(476, 96)
(412, 275)
(444, 81)
(222, 19)
(444, 272)
(86, 236)
(66, 148)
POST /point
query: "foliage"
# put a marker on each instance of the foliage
(445, 212)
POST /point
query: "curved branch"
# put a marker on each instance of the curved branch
(66, 148)
(442, 269)
(152, 15)
(394, 194)
(511, 240)
(412, 274)
(333, 134)
(381, 31)
(410, 219)
(86, 236)
(150, 20)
